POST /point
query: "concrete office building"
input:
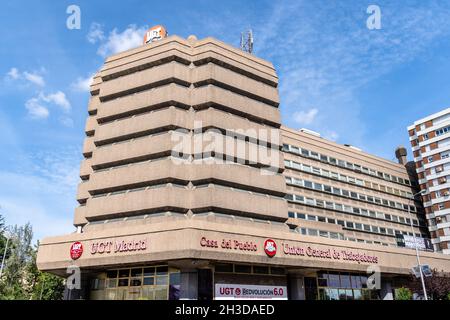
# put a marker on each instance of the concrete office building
(191, 189)
(430, 141)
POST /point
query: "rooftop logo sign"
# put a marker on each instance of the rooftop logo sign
(155, 33)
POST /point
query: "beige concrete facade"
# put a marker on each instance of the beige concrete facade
(238, 179)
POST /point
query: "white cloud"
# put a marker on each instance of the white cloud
(38, 106)
(305, 117)
(34, 78)
(58, 98)
(83, 84)
(325, 56)
(36, 110)
(95, 33)
(131, 37)
(13, 73)
(42, 192)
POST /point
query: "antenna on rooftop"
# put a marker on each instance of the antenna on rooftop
(247, 41)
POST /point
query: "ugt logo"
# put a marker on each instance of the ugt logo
(270, 248)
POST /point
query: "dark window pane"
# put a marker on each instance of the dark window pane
(149, 272)
(123, 282)
(111, 274)
(356, 282)
(175, 278)
(345, 281)
(322, 282)
(135, 282)
(239, 268)
(149, 281)
(224, 268)
(334, 281)
(261, 269)
(124, 273)
(276, 270)
(162, 270)
(136, 272)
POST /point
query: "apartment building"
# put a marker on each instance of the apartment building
(430, 141)
(191, 189)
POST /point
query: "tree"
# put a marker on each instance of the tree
(403, 294)
(2, 237)
(21, 278)
(43, 286)
(13, 284)
(437, 286)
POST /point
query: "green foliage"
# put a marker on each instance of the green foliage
(21, 279)
(403, 294)
(448, 296)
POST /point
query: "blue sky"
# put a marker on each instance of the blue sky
(352, 84)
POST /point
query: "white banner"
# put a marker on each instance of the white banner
(243, 291)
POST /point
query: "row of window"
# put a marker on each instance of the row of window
(335, 235)
(132, 164)
(182, 186)
(356, 226)
(348, 194)
(347, 179)
(442, 131)
(248, 269)
(155, 186)
(344, 164)
(349, 209)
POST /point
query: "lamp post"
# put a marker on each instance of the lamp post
(415, 243)
(4, 256)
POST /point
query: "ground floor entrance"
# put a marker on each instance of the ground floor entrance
(214, 280)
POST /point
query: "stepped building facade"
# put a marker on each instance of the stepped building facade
(191, 189)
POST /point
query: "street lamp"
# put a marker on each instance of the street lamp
(4, 255)
(421, 192)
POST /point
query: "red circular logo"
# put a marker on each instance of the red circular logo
(270, 247)
(76, 250)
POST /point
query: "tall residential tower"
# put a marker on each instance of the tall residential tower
(430, 141)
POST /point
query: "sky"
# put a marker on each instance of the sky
(352, 84)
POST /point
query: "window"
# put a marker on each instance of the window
(312, 217)
(321, 219)
(358, 226)
(291, 214)
(350, 225)
(308, 184)
(301, 216)
(327, 188)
